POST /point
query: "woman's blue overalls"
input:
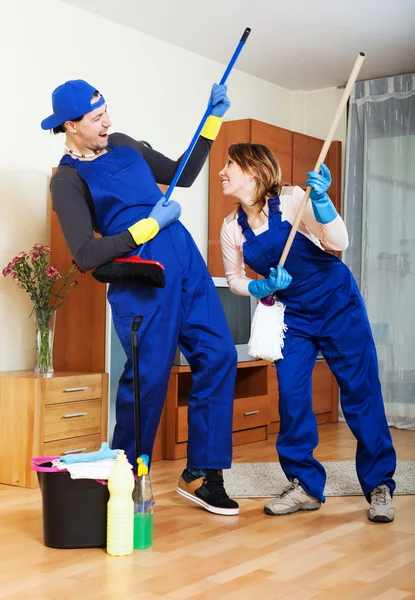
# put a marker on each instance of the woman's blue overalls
(186, 313)
(324, 311)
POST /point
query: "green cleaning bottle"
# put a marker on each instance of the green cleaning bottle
(120, 519)
(143, 507)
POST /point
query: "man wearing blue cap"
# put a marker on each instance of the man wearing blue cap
(108, 183)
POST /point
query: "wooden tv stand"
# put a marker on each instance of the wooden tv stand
(255, 409)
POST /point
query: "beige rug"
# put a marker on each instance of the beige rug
(263, 480)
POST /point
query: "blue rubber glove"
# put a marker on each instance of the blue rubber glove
(323, 207)
(219, 100)
(277, 280)
(166, 214)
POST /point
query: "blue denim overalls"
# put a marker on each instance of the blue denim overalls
(186, 313)
(324, 311)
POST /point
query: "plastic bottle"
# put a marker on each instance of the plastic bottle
(143, 508)
(120, 519)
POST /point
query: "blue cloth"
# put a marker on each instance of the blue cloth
(71, 100)
(103, 453)
(323, 311)
(278, 279)
(186, 313)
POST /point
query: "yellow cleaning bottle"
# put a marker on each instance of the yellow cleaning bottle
(120, 518)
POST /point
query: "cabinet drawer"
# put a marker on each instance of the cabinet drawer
(247, 413)
(72, 419)
(77, 445)
(251, 412)
(73, 388)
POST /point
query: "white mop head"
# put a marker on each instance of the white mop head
(267, 332)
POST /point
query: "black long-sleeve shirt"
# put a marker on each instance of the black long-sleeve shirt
(72, 201)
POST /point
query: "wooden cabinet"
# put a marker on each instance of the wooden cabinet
(255, 412)
(297, 154)
(305, 151)
(48, 416)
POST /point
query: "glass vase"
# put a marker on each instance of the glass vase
(45, 330)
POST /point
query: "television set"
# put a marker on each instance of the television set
(239, 312)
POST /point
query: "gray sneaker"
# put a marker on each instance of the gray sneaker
(381, 508)
(292, 499)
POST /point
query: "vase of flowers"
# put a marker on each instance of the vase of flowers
(47, 289)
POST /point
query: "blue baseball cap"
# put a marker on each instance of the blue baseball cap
(71, 100)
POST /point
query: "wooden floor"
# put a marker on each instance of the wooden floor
(331, 554)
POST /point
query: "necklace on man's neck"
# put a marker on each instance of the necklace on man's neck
(73, 153)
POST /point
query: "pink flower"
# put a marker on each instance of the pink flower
(53, 273)
(32, 273)
(7, 270)
(38, 250)
(18, 258)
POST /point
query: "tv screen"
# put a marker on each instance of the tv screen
(238, 314)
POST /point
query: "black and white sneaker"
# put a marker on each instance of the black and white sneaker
(207, 491)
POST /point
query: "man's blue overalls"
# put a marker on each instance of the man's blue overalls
(324, 310)
(186, 313)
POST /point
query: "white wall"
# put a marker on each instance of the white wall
(154, 91)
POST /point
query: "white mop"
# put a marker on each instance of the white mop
(268, 327)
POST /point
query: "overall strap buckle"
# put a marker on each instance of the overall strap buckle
(274, 205)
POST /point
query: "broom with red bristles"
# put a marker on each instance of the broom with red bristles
(136, 270)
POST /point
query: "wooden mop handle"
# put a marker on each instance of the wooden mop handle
(323, 153)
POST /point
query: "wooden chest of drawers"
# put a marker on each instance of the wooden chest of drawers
(48, 416)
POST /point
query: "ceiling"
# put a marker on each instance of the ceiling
(296, 44)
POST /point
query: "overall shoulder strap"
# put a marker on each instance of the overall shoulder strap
(244, 225)
(274, 205)
(67, 159)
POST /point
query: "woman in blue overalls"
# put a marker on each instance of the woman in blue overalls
(118, 182)
(324, 311)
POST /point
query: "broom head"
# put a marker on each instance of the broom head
(131, 271)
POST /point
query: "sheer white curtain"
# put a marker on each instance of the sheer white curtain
(380, 217)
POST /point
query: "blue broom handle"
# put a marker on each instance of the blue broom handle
(196, 136)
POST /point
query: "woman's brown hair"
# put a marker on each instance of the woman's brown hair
(258, 161)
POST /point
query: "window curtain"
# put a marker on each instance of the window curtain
(379, 212)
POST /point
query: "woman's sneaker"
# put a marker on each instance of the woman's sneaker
(292, 499)
(207, 491)
(381, 508)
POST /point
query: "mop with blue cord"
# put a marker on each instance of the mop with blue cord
(135, 270)
(268, 327)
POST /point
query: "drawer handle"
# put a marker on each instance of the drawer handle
(80, 414)
(80, 389)
(252, 412)
(73, 451)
